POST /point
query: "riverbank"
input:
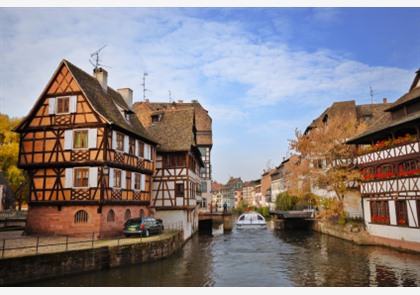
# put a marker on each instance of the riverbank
(362, 237)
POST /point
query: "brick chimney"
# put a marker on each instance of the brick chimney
(385, 100)
(102, 76)
(127, 94)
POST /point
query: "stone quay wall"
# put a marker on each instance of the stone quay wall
(361, 237)
(43, 266)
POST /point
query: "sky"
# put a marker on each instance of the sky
(261, 72)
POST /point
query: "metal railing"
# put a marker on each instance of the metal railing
(34, 245)
(13, 214)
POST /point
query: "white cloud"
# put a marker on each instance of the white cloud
(235, 74)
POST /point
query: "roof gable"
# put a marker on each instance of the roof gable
(105, 103)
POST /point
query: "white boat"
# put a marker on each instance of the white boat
(251, 220)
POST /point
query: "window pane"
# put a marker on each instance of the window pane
(120, 142)
(63, 105)
(81, 177)
(117, 178)
(80, 139)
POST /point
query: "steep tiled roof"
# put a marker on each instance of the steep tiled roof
(203, 120)
(231, 182)
(175, 130)
(336, 108)
(361, 111)
(216, 186)
(384, 121)
(105, 102)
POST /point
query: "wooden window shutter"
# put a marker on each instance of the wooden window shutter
(68, 139)
(93, 176)
(133, 180)
(69, 178)
(114, 140)
(147, 151)
(136, 148)
(73, 104)
(51, 105)
(123, 179)
(111, 177)
(126, 141)
(93, 134)
(142, 182)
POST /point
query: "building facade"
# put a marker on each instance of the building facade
(89, 159)
(148, 111)
(389, 160)
(176, 193)
(363, 113)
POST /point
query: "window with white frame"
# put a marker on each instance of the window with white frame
(119, 142)
(62, 105)
(139, 183)
(81, 177)
(136, 181)
(80, 139)
(117, 178)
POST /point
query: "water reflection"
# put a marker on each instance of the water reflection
(262, 258)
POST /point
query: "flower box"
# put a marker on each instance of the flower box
(386, 143)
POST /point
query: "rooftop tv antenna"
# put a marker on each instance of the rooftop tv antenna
(371, 93)
(144, 86)
(96, 63)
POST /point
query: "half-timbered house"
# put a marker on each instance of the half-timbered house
(150, 111)
(363, 113)
(89, 159)
(389, 160)
(176, 193)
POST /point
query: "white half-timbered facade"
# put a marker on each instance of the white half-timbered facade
(389, 160)
(176, 193)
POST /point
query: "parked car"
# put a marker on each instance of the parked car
(143, 226)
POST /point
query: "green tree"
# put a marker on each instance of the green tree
(9, 153)
(285, 202)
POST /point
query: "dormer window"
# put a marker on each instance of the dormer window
(367, 117)
(155, 118)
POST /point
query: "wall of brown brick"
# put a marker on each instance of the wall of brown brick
(42, 266)
(54, 220)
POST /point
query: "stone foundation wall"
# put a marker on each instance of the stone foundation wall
(42, 266)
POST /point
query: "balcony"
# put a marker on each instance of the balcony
(389, 149)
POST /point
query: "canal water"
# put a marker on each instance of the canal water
(261, 258)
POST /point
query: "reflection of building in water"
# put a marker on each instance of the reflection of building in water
(389, 269)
